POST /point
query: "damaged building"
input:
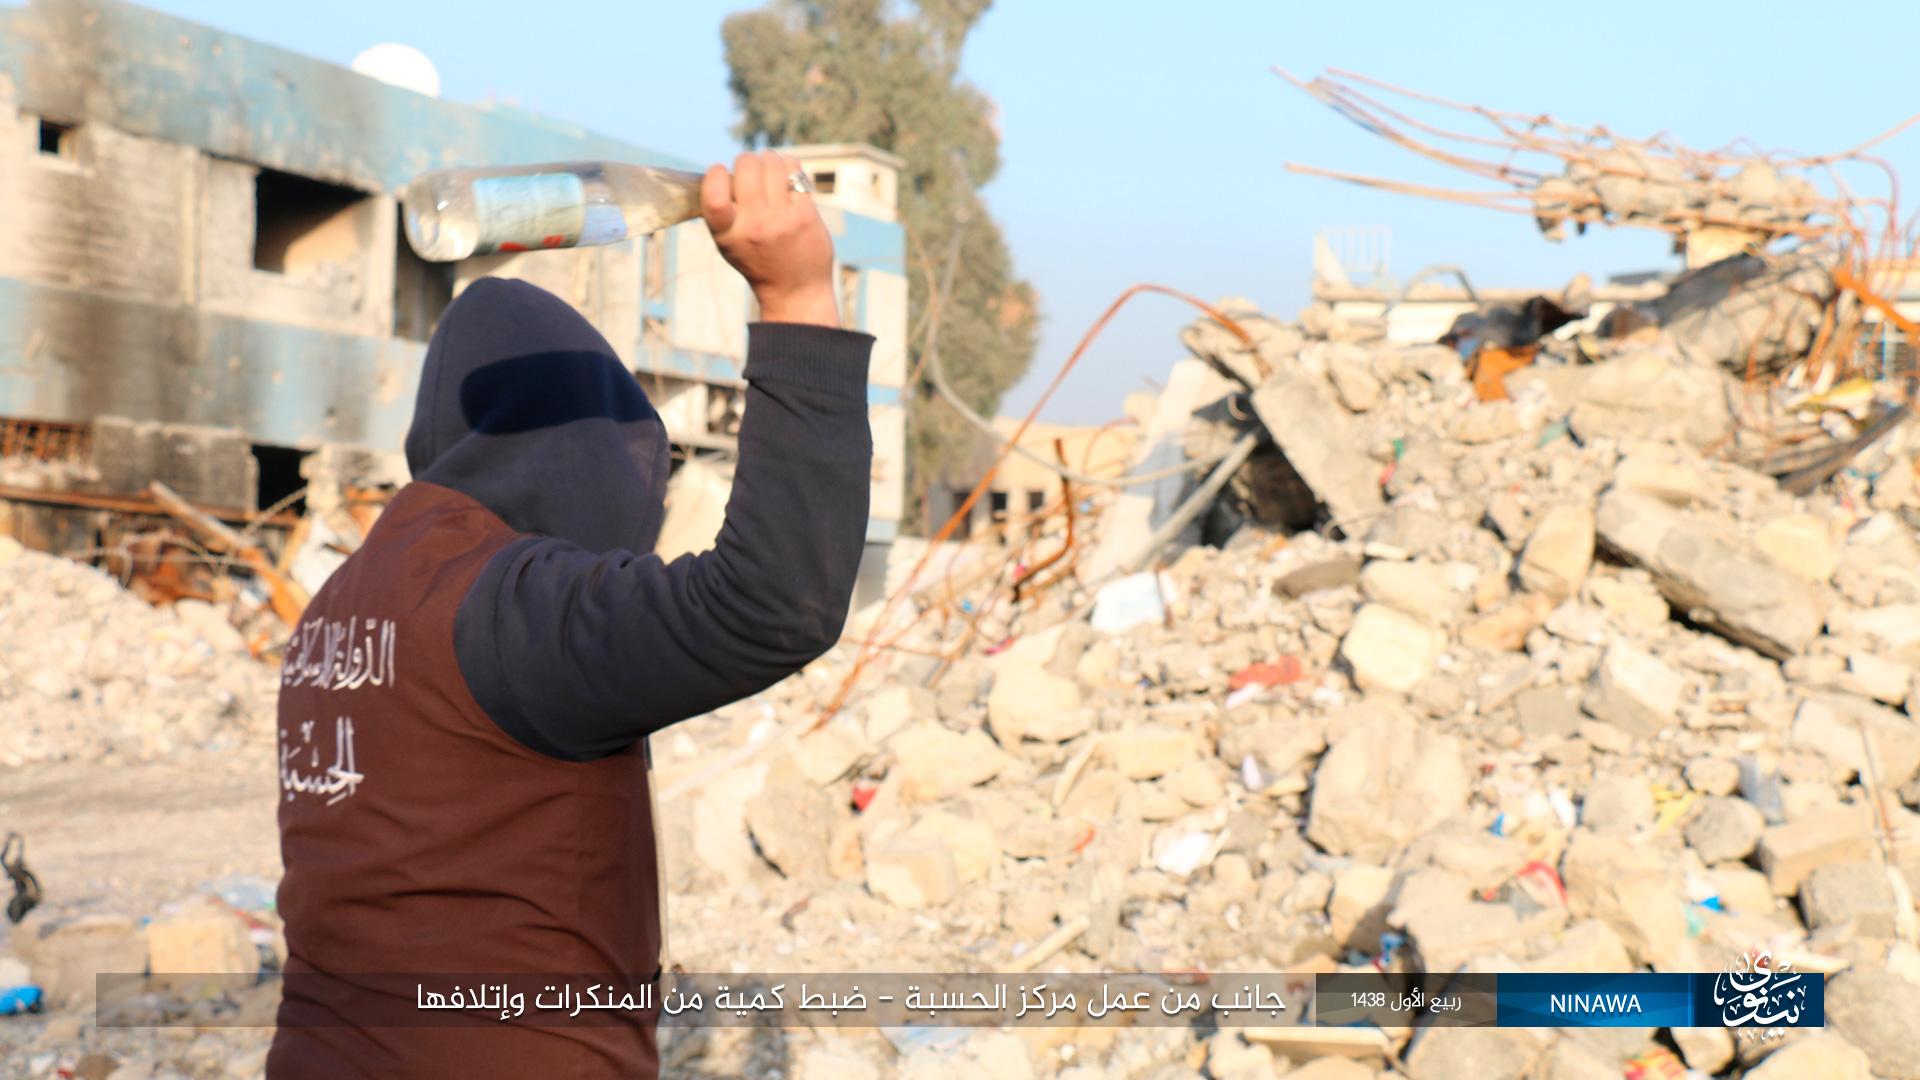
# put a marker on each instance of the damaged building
(206, 282)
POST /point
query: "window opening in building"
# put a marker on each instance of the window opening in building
(56, 138)
(964, 529)
(299, 224)
(280, 477)
(823, 182)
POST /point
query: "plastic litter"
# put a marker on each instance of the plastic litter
(1127, 602)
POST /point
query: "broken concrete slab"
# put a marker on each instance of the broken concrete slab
(1859, 893)
(1146, 751)
(1446, 936)
(1725, 829)
(912, 871)
(974, 843)
(935, 763)
(1449, 1053)
(1789, 852)
(1028, 701)
(791, 820)
(1423, 589)
(1321, 443)
(1880, 746)
(1388, 648)
(1315, 576)
(1635, 691)
(203, 938)
(1558, 553)
(1878, 1012)
(1386, 781)
(1648, 396)
(1633, 889)
(1710, 572)
(1803, 543)
(66, 953)
(1820, 1055)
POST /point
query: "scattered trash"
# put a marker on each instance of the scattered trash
(1129, 602)
(26, 887)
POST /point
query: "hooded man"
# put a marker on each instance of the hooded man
(465, 788)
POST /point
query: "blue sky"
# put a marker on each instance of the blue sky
(1147, 141)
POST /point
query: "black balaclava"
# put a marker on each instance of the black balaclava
(524, 407)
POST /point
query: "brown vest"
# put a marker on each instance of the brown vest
(420, 840)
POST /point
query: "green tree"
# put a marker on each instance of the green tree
(824, 71)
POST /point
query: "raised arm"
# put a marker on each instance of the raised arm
(578, 655)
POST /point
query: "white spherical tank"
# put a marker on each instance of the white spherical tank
(400, 65)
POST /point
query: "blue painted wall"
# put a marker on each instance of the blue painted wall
(161, 77)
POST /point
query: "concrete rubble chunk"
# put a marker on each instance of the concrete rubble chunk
(912, 871)
(974, 843)
(1818, 1056)
(1506, 629)
(1710, 572)
(1856, 893)
(1639, 607)
(1617, 805)
(1875, 742)
(1315, 576)
(1803, 543)
(1419, 588)
(1586, 945)
(1725, 829)
(1708, 1050)
(65, 954)
(1546, 712)
(1149, 750)
(1386, 782)
(1635, 691)
(1319, 440)
(1713, 775)
(1878, 1012)
(792, 822)
(1390, 649)
(1648, 396)
(1557, 555)
(1448, 935)
(1332, 1068)
(1569, 1060)
(1789, 852)
(203, 938)
(935, 763)
(1679, 485)
(1450, 1053)
(893, 708)
(1633, 889)
(826, 755)
(1894, 627)
(1358, 906)
(1877, 677)
(1356, 387)
(1029, 701)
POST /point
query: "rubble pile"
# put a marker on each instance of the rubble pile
(90, 672)
(1555, 689)
(1558, 680)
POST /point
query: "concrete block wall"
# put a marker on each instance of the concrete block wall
(208, 238)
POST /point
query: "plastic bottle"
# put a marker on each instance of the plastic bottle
(456, 213)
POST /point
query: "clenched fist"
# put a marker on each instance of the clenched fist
(773, 235)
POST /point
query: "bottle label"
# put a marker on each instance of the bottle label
(527, 213)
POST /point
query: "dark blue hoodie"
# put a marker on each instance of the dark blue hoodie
(463, 784)
(578, 640)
